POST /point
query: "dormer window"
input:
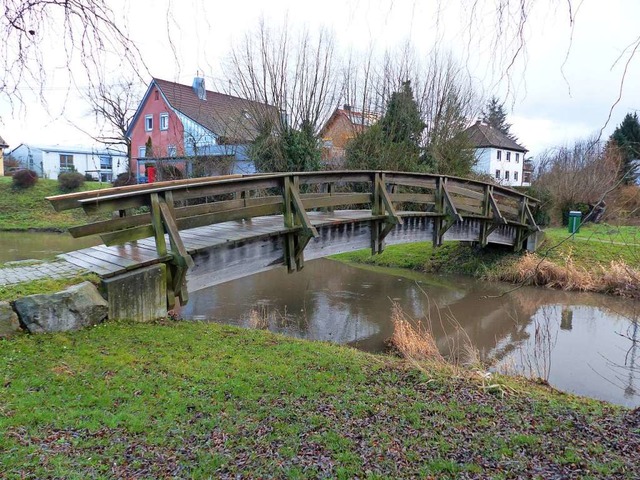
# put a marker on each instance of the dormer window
(148, 123)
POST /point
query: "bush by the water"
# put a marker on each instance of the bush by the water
(25, 179)
(70, 181)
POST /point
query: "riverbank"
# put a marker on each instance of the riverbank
(198, 400)
(599, 258)
(27, 209)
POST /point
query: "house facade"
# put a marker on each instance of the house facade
(48, 161)
(189, 127)
(497, 155)
(343, 125)
(3, 145)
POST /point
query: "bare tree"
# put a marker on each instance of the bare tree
(298, 74)
(583, 173)
(114, 106)
(87, 32)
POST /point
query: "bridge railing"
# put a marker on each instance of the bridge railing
(153, 210)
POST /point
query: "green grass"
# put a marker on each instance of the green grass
(451, 258)
(593, 245)
(25, 209)
(195, 400)
(48, 285)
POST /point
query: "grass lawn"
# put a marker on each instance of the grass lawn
(9, 293)
(195, 400)
(25, 209)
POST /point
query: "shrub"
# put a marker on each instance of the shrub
(169, 172)
(24, 178)
(70, 181)
(126, 178)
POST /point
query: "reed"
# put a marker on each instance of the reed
(415, 340)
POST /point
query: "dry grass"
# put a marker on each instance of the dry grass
(259, 319)
(616, 279)
(413, 342)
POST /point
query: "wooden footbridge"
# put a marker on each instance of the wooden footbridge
(211, 230)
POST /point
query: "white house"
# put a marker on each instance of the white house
(497, 155)
(50, 160)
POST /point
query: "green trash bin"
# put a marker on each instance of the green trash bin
(574, 221)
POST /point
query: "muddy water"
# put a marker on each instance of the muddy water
(581, 343)
(38, 245)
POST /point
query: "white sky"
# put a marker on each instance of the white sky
(548, 104)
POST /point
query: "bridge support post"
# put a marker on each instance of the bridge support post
(381, 205)
(295, 217)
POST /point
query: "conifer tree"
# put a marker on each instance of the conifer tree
(626, 137)
(494, 115)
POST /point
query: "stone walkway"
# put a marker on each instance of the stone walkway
(27, 273)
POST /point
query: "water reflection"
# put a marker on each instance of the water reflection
(580, 342)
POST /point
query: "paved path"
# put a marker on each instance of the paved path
(27, 273)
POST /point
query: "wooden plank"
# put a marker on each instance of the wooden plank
(421, 198)
(412, 180)
(109, 257)
(72, 200)
(132, 253)
(449, 203)
(337, 200)
(112, 225)
(459, 190)
(94, 206)
(307, 227)
(181, 257)
(93, 264)
(314, 178)
(497, 214)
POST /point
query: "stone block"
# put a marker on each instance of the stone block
(9, 323)
(139, 295)
(76, 307)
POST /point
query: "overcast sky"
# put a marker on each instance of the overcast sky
(559, 89)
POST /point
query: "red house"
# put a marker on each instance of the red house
(190, 127)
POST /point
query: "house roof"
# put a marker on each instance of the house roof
(71, 149)
(481, 135)
(3, 144)
(359, 120)
(224, 115)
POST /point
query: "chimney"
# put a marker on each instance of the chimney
(199, 88)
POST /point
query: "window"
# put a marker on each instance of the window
(506, 175)
(499, 154)
(498, 174)
(106, 162)
(508, 156)
(515, 176)
(517, 158)
(157, 95)
(171, 150)
(164, 121)
(66, 163)
(142, 152)
(148, 123)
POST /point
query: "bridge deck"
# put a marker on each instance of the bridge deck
(114, 260)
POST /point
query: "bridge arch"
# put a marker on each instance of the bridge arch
(210, 230)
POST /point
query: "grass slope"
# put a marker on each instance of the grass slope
(201, 400)
(25, 209)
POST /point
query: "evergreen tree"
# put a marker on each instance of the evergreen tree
(394, 142)
(627, 138)
(494, 115)
(291, 150)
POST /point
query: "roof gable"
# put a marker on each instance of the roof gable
(358, 120)
(3, 144)
(232, 118)
(481, 135)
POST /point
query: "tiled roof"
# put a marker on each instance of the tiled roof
(359, 120)
(226, 116)
(3, 144)
(481, 135)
